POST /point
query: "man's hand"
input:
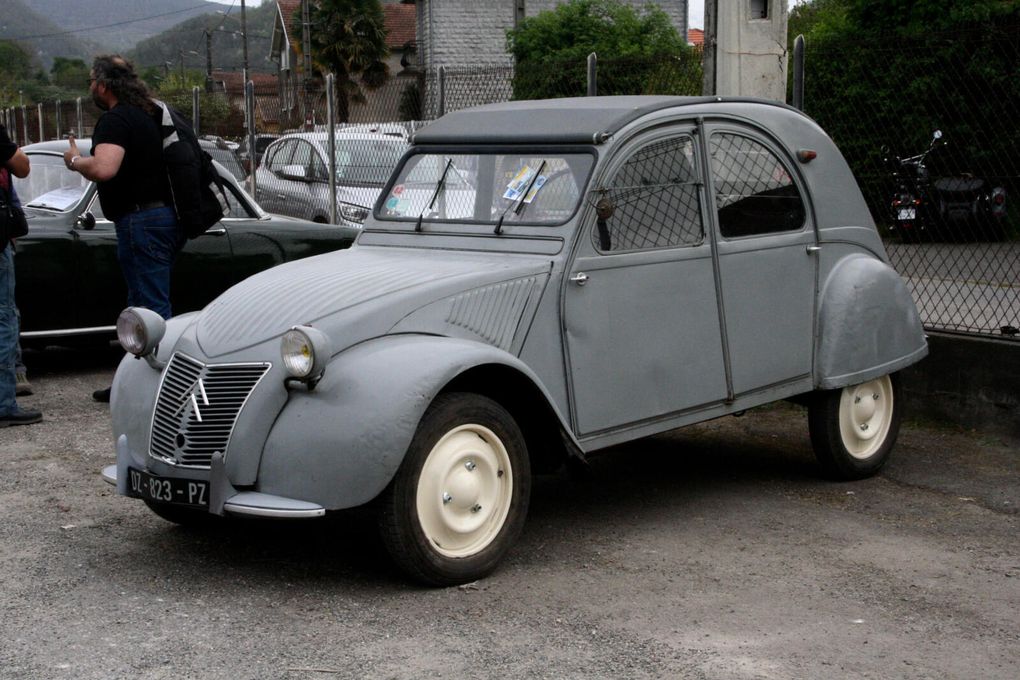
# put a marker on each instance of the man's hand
(71, 152)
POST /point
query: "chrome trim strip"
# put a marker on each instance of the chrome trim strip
(254, 504)
(64, 332)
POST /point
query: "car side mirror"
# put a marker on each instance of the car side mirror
(86, 221)
(294, 172)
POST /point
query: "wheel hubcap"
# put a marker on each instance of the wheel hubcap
(865, 412)
(464, 491)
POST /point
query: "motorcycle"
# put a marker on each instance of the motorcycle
(961, 207)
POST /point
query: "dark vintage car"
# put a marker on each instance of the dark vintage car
(69, 284)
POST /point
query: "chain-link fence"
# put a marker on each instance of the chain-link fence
(931, 130)
(949, 209)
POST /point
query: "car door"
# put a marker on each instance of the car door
(271, 188)
(307, 199)
(767, 260)
(640, 310)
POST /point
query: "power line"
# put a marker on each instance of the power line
(119, 23)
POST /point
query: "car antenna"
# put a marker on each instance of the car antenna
(435, 194)
(518, 204)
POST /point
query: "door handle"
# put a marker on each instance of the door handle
(218, 231)
(580, 278)
(281, 197)
(813, 249)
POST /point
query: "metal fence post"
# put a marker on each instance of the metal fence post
(593, 87)
(331, 145)
(442, 92)
(79, 113)
(249, 121)
(59, 118)
(195, 111)
(24, 121)
(798, 73)
(42, 134)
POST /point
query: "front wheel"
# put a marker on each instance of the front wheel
(459, 499)
(853, 429)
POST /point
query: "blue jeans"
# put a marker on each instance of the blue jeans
(147, 245)
(8, 333)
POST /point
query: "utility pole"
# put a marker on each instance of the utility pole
(306, 58)
(244, 39)
(181, 53)
(208, 60)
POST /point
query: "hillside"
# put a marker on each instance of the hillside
(227, 48)
(45, 39)
(83, 14)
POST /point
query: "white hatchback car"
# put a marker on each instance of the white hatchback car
(293, 178)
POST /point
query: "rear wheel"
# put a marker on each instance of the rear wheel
(459, 500)
(853, 429)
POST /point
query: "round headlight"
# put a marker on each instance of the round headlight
(139, 330)
(305, 351)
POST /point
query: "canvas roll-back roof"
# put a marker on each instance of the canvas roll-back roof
(572, 120)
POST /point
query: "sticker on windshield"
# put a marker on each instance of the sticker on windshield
(58, 199)
(397, 206)
(539, 183)
(519, 183)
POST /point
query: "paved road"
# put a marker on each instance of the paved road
(713, 552)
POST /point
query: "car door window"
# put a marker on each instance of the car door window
(280, 156)
(655, 200)
(302, 155)
(754, 192)
(237, 207)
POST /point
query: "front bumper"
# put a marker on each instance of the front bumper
(223, 497)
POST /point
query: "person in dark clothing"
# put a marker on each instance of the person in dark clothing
(12, 161)
(134, 192)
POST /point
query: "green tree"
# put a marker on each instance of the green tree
(638, 51)
(349, 41)
(69, 74)
(16, 73)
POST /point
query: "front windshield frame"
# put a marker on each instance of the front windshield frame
(40, 173)
(559, 151)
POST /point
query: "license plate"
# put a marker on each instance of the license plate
(194, 492)
(906, 213)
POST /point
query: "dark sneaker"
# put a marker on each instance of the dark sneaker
(22, 388)
(20, 417)
(102, 395)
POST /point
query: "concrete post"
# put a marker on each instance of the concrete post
(80, 115)
(195, 110)
(798, 73)
(593, 86)
(249, 118)
(42, 135)
(442, 92)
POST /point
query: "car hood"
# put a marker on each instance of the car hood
(365, 292)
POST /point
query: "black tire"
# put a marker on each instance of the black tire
(186, 517)
(853, 429)
(454, 478)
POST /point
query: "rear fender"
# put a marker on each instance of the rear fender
(868, 325)
(340, 445)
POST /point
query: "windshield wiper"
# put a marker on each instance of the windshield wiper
(435, 194)
(518, 205)
(44, 206)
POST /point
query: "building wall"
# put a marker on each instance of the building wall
(465, 32)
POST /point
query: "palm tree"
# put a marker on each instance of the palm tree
(349, 40)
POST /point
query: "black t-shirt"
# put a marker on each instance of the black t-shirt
(7, 147)
(142, 175)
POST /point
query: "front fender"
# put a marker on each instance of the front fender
(340, 445)
(868, 325)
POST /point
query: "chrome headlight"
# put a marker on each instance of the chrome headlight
(353, 213)
(139, 330)
(305, 352)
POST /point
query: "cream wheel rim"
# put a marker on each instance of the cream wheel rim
(464, 491)
(865, 414)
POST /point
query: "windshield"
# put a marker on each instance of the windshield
(50, 186)
(505, 188)
(367, 161)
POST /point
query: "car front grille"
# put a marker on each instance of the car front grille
(197, 407)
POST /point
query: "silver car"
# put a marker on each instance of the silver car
(538, 281)
(293, 177)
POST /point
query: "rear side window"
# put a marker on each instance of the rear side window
(754, 191)
(655, 200)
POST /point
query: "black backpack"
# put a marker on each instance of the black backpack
(197, 191)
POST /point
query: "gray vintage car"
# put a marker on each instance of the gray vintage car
(538, 280)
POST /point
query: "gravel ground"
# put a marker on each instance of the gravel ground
(711, 552)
